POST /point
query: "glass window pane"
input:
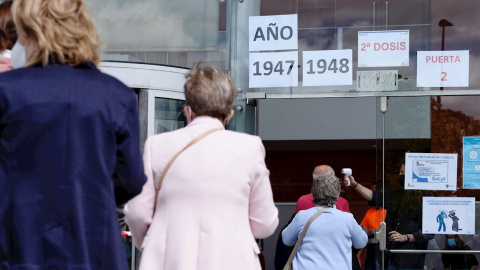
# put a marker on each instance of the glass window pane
(334, 24)
(157, 25)
(169, 115)
(450, 119)
(175, 33)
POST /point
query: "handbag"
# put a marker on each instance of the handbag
(289, 264)
(195, 140)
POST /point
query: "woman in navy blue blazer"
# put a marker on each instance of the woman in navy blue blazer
(69, 145)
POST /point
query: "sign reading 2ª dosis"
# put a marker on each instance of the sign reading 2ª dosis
(383, 48)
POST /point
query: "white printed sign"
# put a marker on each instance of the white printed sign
(276, 69)
(442, 68)
(332, 67)
(383, 48)
(268, 33)
(429, 171)
(448, 215)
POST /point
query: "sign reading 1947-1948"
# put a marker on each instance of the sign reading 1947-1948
(273, 69)
(268, 33)
(442, 68)
(330, 67)
(383, 48)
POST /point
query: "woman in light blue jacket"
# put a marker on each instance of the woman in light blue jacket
(328, 241)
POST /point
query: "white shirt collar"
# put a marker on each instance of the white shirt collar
(6, 54)
(199, 120)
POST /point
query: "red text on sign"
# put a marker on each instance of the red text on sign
(364, 46)
(444, 78)
(443, 59)
(392, 46)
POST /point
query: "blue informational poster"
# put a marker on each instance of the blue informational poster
(471, 162)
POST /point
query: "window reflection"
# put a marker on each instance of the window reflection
(169, 115)
(176, 33)
(413, 124)
(452, 119)
(334, 24)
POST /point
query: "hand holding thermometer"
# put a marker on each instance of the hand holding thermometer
(346, 173)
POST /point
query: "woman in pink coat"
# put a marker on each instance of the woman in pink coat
(216, 197)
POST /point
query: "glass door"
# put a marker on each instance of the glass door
(165, 111)
(429, 161)
(403, 126)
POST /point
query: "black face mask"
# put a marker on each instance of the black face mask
(401, 180)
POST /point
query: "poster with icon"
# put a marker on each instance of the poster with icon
(471, 162)
(448, 215)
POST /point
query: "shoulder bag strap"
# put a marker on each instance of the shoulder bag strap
(159, 185)
(300, 239)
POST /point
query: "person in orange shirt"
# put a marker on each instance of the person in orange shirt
(371, 224)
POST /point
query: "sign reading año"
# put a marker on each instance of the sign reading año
(268, 33)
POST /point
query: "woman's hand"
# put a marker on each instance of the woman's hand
(397, 237)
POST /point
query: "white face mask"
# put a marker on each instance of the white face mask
(18, 55)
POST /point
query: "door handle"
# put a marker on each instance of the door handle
(381, 236)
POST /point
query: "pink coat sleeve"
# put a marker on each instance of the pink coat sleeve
(262, 210)
(139, 210)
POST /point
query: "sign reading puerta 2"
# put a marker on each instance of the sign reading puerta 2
(273, 57)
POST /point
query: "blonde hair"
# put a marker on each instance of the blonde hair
(209, 91)
(63, 30)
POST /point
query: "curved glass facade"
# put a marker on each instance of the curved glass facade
(423, 55)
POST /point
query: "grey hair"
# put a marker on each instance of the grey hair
(209, 91)
(327, 170)
(325, 189)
